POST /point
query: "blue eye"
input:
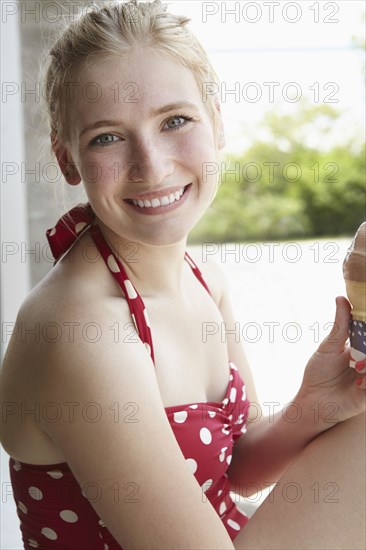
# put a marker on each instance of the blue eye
(104, 139)
(175, 119)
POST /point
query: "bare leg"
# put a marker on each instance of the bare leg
(319, 502)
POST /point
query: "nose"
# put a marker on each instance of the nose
(149, 162)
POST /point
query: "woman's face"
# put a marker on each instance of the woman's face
(140, 131)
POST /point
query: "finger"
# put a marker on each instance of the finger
(360, 366)
(361, 382)
(338, 336)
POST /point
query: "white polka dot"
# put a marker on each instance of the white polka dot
(243, 429)
(225, 401)
(100, 535)
(35, 493)
(56, 474)
(231, 377)
(17, 466)
(244, 394)
(225, 430)
(205, 436)
(230, 417)
(52, 232)
(206, 485)
(228, 459)
(193, 406)
(69, 516)
(180, 417)
(211, 414)
(106, 547)
(112, 264)
(232, 394)
(222, 455)
(33, 543)
(222, 508)
(147, 346)
(22, 507)
(233, 366)
(80, 226)
(49, 533)
(146, 317)
(101, 523)
(192, 465)
(130, 289)
(219, 493)
(233, 524)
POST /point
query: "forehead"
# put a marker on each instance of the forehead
(132, 84)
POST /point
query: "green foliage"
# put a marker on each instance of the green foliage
(283, 187)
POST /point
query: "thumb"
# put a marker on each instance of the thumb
(336, 340)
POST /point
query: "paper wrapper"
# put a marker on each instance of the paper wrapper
(354, 271)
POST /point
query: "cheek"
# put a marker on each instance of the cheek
(198, 149)
(100, 171)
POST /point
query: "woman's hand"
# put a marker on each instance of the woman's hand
(330, 388)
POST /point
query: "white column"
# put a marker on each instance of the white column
(15, 278)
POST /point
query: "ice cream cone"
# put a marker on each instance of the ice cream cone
(354, 271)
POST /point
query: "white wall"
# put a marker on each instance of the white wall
(15, 276)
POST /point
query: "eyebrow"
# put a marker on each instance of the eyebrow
(152, 114)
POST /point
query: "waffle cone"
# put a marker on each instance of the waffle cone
(354, 265)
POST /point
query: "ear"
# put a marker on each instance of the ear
(220, 128)
(65, 161)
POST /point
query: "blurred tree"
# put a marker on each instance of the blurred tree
(284, 186)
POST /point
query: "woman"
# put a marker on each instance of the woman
(140, 430)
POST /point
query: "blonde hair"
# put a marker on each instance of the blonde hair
(114, 28)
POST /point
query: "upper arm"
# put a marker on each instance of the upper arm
(113, 431)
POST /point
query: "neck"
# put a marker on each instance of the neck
(153, 270)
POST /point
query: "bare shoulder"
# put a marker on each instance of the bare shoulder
(76, 290)
(74, 304)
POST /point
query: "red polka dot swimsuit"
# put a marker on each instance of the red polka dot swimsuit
(55, 512)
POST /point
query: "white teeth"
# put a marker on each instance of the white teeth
(163, 201)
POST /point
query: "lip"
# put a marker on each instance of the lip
(149, 210)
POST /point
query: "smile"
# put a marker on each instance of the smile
(162, 201)
(165, 202)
